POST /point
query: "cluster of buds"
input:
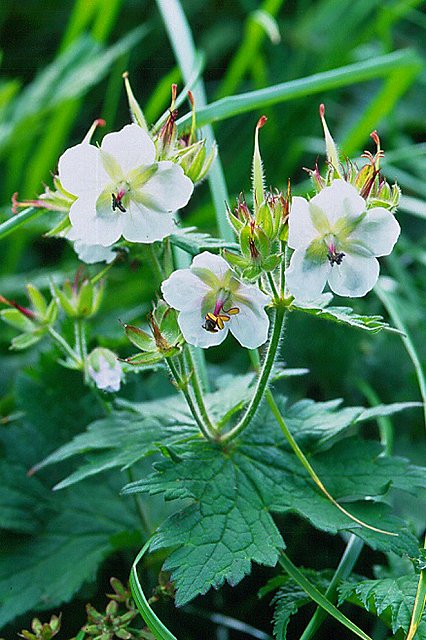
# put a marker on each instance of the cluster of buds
(186, 150)
(81, 298)
(262, 229)
(368, 180)
(115, 621)
(42, 631)
(33, 323)
(165, 590)
(164, 341)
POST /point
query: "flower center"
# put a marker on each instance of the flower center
(334, 256)
(214, 322)
(117, 199)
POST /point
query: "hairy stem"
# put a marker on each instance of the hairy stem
(183, 386)
(263, 378)
(198, 392)
(66, 348)
(81, 345)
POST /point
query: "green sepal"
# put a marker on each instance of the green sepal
(140, 338)
(17, 320)
(85, 299)
(37, 299)
(141, 359)
(271, 262)
(264, 220)
(26, 340)
(169, 327)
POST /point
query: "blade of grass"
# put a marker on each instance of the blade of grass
(17, 221)
(393, 310)
(382, 66)
(254, 35)
(153, 623)
(344, 569)
(318, 597)
(183, 46)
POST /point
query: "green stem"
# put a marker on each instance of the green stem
(262, 380)
(18, 220)
(183, 386)
(344, 569)
(155, 264)
(307, 466)
(419, 604)
(65, 346)
(102, 273)
(138, 505)
(318, 597)
(272, 284)
(198, 392)
(81, 345)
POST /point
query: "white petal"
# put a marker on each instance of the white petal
(191, 324)
(169, 188)
(354, 277)
(140, 224)
(93, 253)
(250, 326)
(80, 170)
(301, 230)
(184, 290)
(91, 228)
(378, 232)
(339, 200)
(305, 278)
(214, 263)
(131, 147)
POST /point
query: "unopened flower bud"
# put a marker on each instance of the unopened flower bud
(34, 322)
(81, 298)
(105, 369)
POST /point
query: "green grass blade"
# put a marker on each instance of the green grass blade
(400, 61)
(344, 569)
(183, 45)
(319, 598)
(17, 221)
(153, 623)
(254, 35)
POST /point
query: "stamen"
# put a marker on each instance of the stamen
(213, 322)
(116, 201)
(335, 257)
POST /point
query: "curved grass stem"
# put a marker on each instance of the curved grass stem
(307, 466)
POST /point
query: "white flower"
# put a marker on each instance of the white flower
(90, 253)
(121, 190)
(212, 301)
(105, 370)
(336, 240)
(93, 253)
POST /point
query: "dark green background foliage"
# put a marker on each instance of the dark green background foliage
(62, 64)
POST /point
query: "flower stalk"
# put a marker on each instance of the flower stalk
(263, 378)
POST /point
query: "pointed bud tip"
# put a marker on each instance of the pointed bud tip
(261, 122)
(191, 98)
(375, 136)
(322, 110)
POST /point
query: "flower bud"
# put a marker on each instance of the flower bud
(164, 341)
(34, 322)
(105, 369)
(80, 299)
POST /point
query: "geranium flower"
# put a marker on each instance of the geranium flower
(121, 190)
(336, 240)
(105, 370)
(90, 253)
(212, 301)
